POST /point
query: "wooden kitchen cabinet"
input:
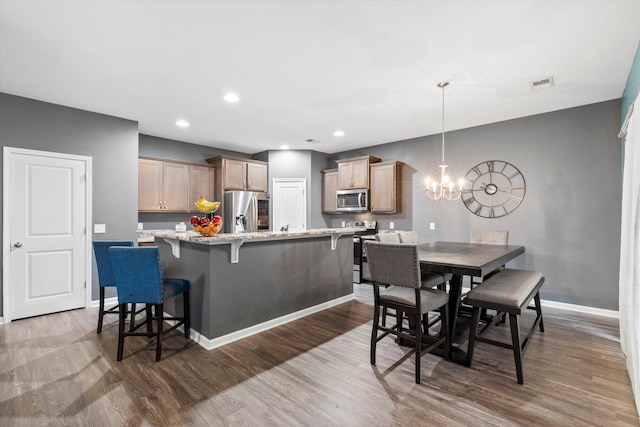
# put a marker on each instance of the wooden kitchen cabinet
(201, 183)
(170, 186)
(240, 174)
(329, 188)
(386, 191)
(354, 172)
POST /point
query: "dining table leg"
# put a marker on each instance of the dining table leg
(455, 292)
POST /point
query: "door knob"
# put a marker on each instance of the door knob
(17, 245)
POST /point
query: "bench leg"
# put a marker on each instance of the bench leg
(517, 348)
(473, 330)
(539, 310)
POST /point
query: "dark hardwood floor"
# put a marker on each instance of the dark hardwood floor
(55, 370)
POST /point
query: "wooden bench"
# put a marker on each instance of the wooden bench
(509, 292)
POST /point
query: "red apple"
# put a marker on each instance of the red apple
(217, 220)
(195, 219)
(203, 221)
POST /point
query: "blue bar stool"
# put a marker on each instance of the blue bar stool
(140, 279)
(105, 275)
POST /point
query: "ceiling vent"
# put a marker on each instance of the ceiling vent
(312, 141)
(542, 84)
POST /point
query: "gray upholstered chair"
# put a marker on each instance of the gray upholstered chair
(387, 237)
(487, 237)
(398, 267)
(429, 279)
(408, 237)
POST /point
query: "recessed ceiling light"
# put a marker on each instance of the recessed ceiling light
(182, 123)
(284, 147)
(338, 133)
(231, 97)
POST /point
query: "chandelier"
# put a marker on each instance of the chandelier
(445, 189)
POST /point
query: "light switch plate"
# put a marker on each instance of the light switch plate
(391, 225)
(432, 226)
(99, 228)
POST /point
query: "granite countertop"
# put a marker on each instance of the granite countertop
(192, 236)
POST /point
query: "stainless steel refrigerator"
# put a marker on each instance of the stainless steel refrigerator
(246, 211)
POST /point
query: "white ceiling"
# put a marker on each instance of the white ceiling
(304, 69)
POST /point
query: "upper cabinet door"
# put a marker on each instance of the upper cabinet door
(329, 188)
(385, 187)
(354, 173)
(257, 177)
(360, 171)
(175, 186)
(345, 175)
(149, 185)
(235, 174)
(201, 183)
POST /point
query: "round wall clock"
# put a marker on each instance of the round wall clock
(493, 189)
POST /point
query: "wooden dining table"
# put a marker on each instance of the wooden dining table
(463, 259)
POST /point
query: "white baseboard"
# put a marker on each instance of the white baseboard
(210, 344)
(108, 302)
(581, 309)
(572, 307)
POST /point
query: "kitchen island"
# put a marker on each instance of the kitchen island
(242, 284)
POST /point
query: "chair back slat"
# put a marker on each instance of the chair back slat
(138, 274)
(394, 264)
(103, 259)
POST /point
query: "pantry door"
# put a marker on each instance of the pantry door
(46, 219)
(289, 204)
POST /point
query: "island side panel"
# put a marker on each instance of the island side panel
(271, 279)
(194, 266)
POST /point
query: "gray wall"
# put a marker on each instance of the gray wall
(304, 164)
(569, 220)
(111, 142)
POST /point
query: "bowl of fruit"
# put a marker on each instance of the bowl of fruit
(207, 225)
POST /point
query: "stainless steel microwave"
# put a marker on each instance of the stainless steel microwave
(352, 200)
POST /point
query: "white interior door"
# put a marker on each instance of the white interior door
(289, 204)
(45, 233)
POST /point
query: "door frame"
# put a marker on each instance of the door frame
(306, 198)
(7, 153)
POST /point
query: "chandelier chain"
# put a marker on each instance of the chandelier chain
(443, 86)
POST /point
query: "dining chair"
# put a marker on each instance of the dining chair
(429, 279)
(397, 266)
(487, 237)
(391, 237)
(140, 279)
(105, 276)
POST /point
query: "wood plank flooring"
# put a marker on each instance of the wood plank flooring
(55, 370)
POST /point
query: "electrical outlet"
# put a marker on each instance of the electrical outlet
(432, 226)
(391, 225)
(140, 226)
(99, 228)
(343, 225)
